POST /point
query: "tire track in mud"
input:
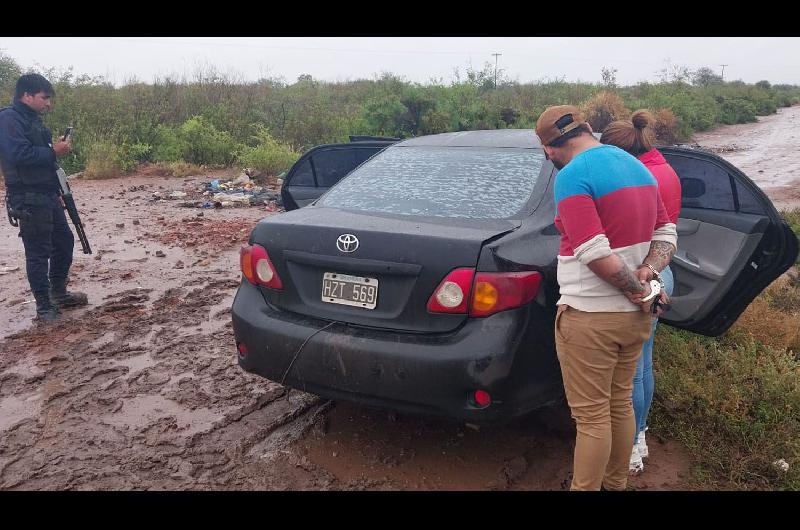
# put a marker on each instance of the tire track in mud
(144, 393)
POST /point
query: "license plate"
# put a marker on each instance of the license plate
(345, 289)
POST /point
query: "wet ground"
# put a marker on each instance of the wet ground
(766, 151)
(141, 389)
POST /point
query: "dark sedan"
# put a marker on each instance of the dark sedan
(425, 280)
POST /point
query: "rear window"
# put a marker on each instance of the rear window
(467, 182)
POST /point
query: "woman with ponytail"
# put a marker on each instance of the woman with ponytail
(636, 137)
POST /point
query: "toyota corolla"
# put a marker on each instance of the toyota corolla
(424, 281)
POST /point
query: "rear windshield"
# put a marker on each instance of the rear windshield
(468, 182)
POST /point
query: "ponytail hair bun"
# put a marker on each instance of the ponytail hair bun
(641, 119)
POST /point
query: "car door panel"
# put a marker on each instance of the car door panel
(738, 221)
(726, 253)
(706, 264)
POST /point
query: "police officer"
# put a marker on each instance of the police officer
(28, 163)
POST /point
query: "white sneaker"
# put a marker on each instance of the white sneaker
(636, 465)
(641, 444)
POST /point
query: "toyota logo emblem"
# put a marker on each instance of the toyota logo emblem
(347, 243)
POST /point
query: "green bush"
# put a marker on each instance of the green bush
(737, 111)
(196, 141)
(105, 159)
(169, 146)
(205, 144)
(268, 155)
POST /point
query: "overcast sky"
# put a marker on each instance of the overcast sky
(420, 59)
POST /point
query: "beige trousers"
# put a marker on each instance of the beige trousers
(598, 353)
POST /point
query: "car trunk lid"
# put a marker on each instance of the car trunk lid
(397, 265)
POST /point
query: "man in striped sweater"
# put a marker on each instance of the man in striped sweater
(612, 221)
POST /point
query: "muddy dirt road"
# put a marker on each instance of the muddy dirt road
(766, 151)
(141, 390)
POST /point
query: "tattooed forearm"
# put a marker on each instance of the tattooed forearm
(660, 254)
(625, 280)
(614, 271)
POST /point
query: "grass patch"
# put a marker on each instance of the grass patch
(179, 168)
(107, 160)
(792, 217)
(734, 401)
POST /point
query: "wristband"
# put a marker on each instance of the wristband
(655, 290)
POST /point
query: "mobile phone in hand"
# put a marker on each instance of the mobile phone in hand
(67, 133)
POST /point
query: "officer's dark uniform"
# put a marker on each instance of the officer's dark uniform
(28, 163)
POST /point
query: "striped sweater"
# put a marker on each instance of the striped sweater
(606, 201)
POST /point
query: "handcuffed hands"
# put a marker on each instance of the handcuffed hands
(644, 273)
(636, 298)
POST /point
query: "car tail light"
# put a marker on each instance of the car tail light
(482, 398)
(498, 291)
(257, 267)
(452, 295)
(242, 349)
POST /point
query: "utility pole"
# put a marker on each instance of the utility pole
(723, 71)
(495, 68)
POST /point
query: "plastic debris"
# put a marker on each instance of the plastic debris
(781, 465)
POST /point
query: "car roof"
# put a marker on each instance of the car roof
(520, 138)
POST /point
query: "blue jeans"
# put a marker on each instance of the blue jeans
(643, 381)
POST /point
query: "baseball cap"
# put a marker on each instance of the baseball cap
(557, 121)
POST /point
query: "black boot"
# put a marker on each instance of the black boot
(45, 310)
(63, 298)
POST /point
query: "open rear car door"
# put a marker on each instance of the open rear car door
(732, 243)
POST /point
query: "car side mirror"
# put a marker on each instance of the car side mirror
(692, 188)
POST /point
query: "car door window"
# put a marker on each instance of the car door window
(748, 203)
(303, 175)
(333, 164)
(717, 193)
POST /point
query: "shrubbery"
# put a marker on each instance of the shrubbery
(603, 108)
(106, 159)
(211, 120)
(268, 156)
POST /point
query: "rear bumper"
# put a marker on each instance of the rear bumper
(418, 373)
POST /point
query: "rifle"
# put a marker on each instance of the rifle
(72, 210)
